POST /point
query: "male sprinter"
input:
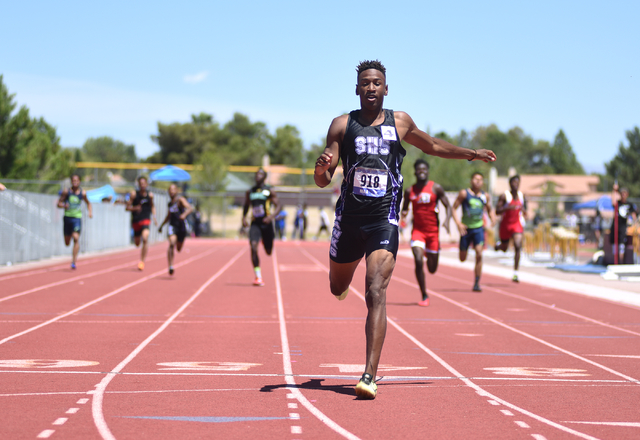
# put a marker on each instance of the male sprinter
(425, 236)
(70, 201)
(179, 210)
(626, 213)
(474, 201)
(368, 141)
(512, 205)
(264, 208)
(142, 208)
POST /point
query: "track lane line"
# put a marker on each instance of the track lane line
(288, 369)
(547, 306)
(103, 297)
(478, 389)
(70, 280)
(98, 393)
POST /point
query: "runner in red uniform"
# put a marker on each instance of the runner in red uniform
(425, 236)
(513, 207)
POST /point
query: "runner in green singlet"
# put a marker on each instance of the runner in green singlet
(71, 200)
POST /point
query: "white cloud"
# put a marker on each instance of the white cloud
(196, 78)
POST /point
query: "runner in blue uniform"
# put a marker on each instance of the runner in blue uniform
(71, 200)
(368, 141)
(264, 204)
(179, 210)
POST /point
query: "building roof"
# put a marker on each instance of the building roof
(565, 185)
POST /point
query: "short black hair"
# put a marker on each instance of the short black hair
(512, 178)
(142, 177)
(75, 175)
(477, 173)
(420, 162)
(371, 64)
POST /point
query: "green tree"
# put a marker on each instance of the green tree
(285, 147)
(562, 159)
(625, 164)
(107, 149)
(29, 147)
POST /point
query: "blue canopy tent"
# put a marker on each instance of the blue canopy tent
(99, 194)
(602, 204)
(170, 173)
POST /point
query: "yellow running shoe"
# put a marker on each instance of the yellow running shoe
(343, 295)
(141, 265)
(366, 388)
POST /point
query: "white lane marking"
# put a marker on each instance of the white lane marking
(214, 366)
(44, 363)
(538, 437)
(82, 401)
(296, 430)
(521, 424)
(538, 371)
(493, 402)
(103, 297)
(506, 412)
(547, 306)
(469, 334)
(525, 334)
(288, 370)
(46, 433)
(299, 268)
(357, 368)
(615, 356)
(625, 424)
(455, 372)
(72, 410)
(294, 416)
(60, 421)
(292, 405)
(68, 280)
(98, 395)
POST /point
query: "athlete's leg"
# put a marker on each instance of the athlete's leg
(478, 268)
(517, 244)
(76, 246)
(418, 259)
(136, 240)
(173, 239)
(432, 261)
(67, 240)
(380, 266)
(340, 276)
(267, 238)
(145, 240)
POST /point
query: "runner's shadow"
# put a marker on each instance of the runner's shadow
(313, 384)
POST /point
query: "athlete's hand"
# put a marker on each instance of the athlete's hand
(447, 228)
(244, 222)
(160, 230)
(323, 163)
(462, 228)
(485, 155)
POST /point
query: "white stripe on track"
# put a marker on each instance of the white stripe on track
(98, 394)
(103, 297)
(288, 370)
(541, 304)
(479, 390)
(525, 334)
(70, 280)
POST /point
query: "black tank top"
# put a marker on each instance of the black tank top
(259, 198)
(175, 211)
(145, 203)
(371, 161)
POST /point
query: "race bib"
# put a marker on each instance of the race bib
(258, 211)
(370, 182)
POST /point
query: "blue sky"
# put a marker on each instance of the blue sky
(118, 68)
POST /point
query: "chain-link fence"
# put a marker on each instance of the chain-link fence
(31, 226)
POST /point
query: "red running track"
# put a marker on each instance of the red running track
(108, 352)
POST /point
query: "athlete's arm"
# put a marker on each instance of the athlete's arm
(130, 207)
(409, 132)
(245, 209)
(500, 208)
(405, 204)
(86, 200)
(166, 219)
(62, 203)
(492, 217)
(188, 209)
(461, 227)
(276, 210)
(328, 161)
(524, 207)
(153, 209)
(442, 197)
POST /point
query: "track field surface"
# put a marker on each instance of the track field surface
(110, 352)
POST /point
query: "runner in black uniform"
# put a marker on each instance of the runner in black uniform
(369, 143)
(142, 208)
(179, 210)
(264, 208)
